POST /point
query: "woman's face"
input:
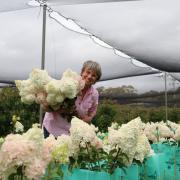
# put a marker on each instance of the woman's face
(89, 76)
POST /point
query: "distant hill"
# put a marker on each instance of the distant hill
(128, 95)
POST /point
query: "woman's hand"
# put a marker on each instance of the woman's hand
(45, 107)
(86, 118)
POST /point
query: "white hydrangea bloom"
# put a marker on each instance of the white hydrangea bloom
(72, 83)
(18, 127)
(126, 138)
(96, 129)
(35, 134)
(115, 125)
(70, 74)
(81, 131)
(69, 87)
(28, 99)
(143, 148)
(60, 154)
(43, 89)
(66, 139)
(39, 79)
(54, 93)
(53, 86)
(26, 91)
(25, 86)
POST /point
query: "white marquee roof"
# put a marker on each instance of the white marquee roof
(146, 30)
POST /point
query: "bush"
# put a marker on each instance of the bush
(104, 117)
(110, 111)
(10, 104)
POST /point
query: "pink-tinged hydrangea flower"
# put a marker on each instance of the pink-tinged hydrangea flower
(157, 131)
(41, 98)
(36, 169)
(177, 134)
(97, 143)
(16, 151)
(173, 126)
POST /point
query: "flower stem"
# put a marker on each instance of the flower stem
(114, 161)
(89, 156)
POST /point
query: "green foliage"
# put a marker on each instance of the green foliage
(110, 111)
(10, 104)
(104, 117)
(53, 171)
(19, 174)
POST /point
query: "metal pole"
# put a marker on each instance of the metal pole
(165, 79)
(43, 53)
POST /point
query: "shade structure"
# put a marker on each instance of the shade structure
(176, 76)
(13, 5)
(146, 30)
(21, 49)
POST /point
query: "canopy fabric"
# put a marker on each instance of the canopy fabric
(146, 30)
(69, 2)
(176, 76)
(20, 49)
(13, 5)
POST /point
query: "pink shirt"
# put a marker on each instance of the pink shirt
(57, 125)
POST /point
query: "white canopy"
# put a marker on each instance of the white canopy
(21, 49)
(13, 5)
(146, 30)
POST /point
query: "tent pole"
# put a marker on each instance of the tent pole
(165, 80)
(43, 54)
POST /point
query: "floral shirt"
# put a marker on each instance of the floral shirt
(57, 125)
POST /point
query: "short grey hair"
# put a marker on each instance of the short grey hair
(93, 66)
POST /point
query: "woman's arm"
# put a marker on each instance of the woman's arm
(89, 117)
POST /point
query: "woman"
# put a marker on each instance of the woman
(85, 105)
